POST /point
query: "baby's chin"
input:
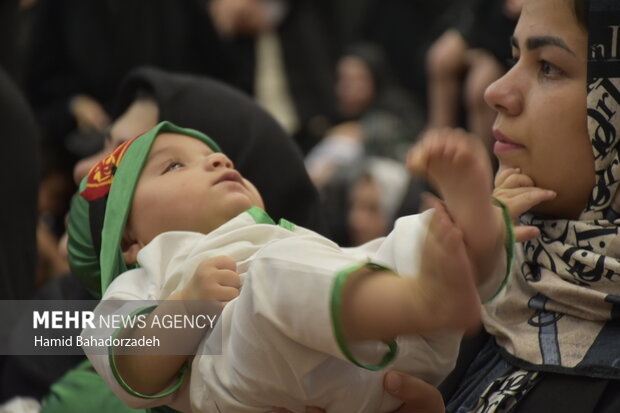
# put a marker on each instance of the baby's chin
(258, 203)
(240, 206)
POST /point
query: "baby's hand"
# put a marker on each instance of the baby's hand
(519, 193)
(215, 279)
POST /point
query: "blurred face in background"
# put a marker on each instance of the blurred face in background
(140, 117)
(366, 217)
(355, 88)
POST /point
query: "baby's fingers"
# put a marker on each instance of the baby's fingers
(525, 233)
(221, 262)
(517, 180)
(503, 174)
(521, 200)
(417, 159)
(225, 294)
(228, 278)
(419, 155)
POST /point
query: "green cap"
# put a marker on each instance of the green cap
(100, 209)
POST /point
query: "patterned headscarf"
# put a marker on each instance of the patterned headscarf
(100, 209)
(561, 308)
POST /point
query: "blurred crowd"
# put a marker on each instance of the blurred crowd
(354, 83)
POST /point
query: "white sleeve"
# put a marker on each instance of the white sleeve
(402, 248)
(131, 292)
(429, 356)
(292, 287)
(290, 283)
(402, 251)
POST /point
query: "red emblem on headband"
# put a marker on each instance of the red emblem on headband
(102, 173)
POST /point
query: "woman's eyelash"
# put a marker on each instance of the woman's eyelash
(549, 69)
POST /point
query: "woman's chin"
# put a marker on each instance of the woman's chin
(553, 210)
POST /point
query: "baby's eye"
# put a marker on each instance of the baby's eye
(172, 166)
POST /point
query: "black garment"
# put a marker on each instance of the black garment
(552, 392)
(405, 29)
(32, 375)
(87, 47)
(310, 47)
(258, 146)
(9, 30)
(310, 44)
(19, 174)
(484, 25)
(19, 177)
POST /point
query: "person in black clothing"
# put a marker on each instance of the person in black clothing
(78, 52)
(246, 133)
(466, 59)
(19, 169)
(405, 30)
(19, 175)
(298, 39)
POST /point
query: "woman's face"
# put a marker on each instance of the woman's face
(366, 217)
(355, 88)
(541, 126)
(140, 117)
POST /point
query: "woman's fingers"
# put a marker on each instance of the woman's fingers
(417, 395)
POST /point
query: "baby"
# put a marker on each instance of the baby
(313, 321)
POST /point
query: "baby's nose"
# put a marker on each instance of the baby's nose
(219, 160)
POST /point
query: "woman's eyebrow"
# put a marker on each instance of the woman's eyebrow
(537, 42)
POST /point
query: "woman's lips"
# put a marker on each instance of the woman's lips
(499, 147)
(503, 144)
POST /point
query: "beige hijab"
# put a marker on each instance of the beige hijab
(560, 310)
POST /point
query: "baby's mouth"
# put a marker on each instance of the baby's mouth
(230, 176)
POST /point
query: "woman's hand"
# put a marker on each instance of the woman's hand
(89, 114)
(417, 395)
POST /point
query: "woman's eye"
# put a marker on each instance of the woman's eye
(549, 70)
(172, 166)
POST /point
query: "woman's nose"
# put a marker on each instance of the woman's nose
(219, 160)
(504, 95)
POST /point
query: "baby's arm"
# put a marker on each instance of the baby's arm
(457, 164)
(215, 279)
(443, 295)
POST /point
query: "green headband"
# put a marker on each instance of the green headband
(99, 211)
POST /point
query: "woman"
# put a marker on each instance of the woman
(377, 117)
(552, 341)
(149, 95)
(553, 332)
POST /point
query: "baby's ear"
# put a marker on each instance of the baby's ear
(130, 248)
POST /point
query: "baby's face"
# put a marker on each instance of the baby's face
(185, 186)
